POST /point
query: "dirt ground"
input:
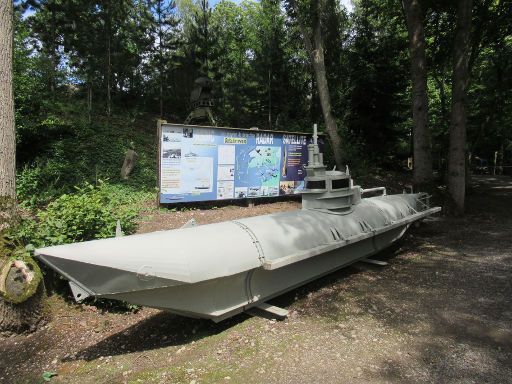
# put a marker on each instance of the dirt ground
(440, 312)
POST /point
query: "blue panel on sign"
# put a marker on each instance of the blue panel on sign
(205, 163)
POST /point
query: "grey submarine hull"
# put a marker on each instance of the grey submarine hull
(215, 271)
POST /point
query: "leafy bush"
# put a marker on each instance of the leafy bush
(35, 186)
(89, 213)
(56, 155)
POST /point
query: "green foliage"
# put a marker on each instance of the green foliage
(89, 213)
(69, 55)
(82, 153)
(378, 72)
(32, 187)
(112, 305)
(47, 376)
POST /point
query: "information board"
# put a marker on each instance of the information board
(207, 163)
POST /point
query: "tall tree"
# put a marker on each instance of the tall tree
(315, 47)
(460, 78)
(13, 317)
(107, 20)
(375, 100)
(201, 28)
(47, 24)
(268, 61)
(232, 27)
(415, 14)
(82, 19)
(7, 132)
(163, 26)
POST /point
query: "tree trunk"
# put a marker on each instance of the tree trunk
(108, 23)
(89, 101)
(442, 96)
(269, 92)
(161, 97)
(161, 59)
(53, 55)
(422, 148)
(24, 316)
(7, 132)
(206, 30)
(238, 102)
(109, 87)
(457, 154)
(316, 53)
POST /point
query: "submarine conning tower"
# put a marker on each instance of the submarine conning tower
(329, 191)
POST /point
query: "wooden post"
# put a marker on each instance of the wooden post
(130, 159)
(159, 123)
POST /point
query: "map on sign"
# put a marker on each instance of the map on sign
(265, 163)
(205, 163)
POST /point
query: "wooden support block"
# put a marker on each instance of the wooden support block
(268, 311)
(189, 224)
(375, 262)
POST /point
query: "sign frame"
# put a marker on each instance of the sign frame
(162, 123)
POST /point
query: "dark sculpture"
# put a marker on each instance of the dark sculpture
(201, 102)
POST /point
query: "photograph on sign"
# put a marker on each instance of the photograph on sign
(205, 163)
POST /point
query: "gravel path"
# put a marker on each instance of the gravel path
(440, 312)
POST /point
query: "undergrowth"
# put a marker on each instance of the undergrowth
(83, 153)
(69, 186)
(91, 212)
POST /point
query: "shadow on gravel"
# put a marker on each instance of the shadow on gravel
(453, 298)
(159, 331)
(288, 299)
(166, 329)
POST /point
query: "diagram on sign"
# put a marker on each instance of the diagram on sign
(226, 171)
(197, 175)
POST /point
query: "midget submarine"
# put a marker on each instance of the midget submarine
(218, 270)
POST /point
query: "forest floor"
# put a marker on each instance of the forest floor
(440, 312)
